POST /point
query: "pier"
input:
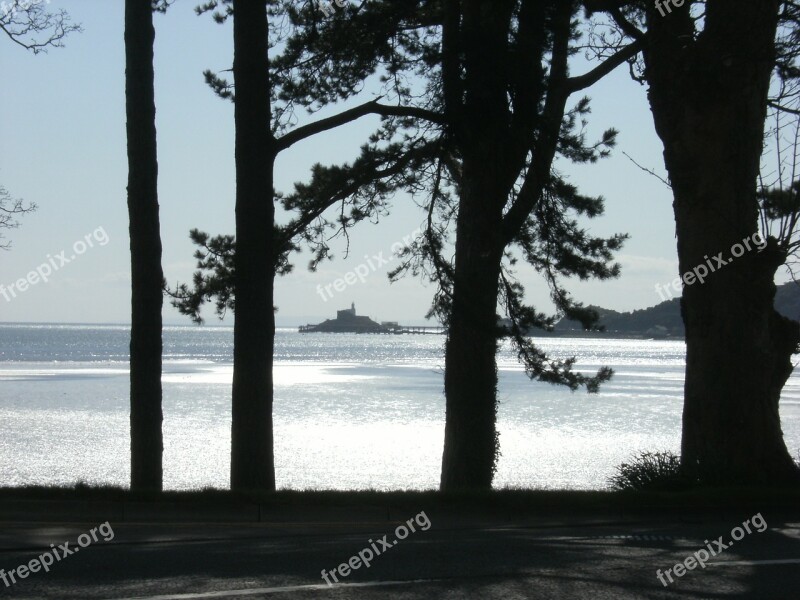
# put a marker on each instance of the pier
(436, 330)
(397, 330)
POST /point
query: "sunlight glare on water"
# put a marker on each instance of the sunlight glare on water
(350, 412)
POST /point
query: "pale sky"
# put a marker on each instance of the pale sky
(62, 146)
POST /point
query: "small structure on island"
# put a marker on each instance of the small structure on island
(346, 321)
(347, 313)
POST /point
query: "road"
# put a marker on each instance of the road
(569, 557)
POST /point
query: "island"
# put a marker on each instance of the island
(347, 321)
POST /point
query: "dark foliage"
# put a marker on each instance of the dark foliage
(651, 472)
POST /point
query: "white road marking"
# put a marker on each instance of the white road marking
(278, 590)
(747, 563)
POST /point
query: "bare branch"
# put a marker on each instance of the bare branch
(10, 209)
(649, 171)
(28, 24)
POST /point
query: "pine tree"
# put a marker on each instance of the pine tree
(481, 167)
(708, 66)
(238, 272)
(145, 242)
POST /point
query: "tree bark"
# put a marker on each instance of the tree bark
(252, 456)
(470, 382)
(145, 244)
(477, 107)
(709, 101)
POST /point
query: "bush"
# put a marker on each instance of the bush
(651, 471)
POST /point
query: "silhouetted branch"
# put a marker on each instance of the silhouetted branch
(28, 24)
(10, 209)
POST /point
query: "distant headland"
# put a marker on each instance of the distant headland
(663, 320)
(660, 321)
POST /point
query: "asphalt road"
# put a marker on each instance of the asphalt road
(538, 557)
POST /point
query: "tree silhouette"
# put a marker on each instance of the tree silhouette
(422, 148)
(145, 243)
(239, 271)
(491, 115)
(708, 66)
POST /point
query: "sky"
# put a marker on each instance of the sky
(63, 146)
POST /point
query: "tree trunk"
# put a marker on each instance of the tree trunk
(252, 458)
(709, 101)
(475, 44)
(145, 242)
(470, 381)
(493, 142)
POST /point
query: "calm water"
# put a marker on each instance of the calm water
(351, 411)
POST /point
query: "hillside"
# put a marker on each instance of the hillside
(664, 320)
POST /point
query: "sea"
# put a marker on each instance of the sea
(352, 412)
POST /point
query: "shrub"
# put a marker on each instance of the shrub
(651, 471)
